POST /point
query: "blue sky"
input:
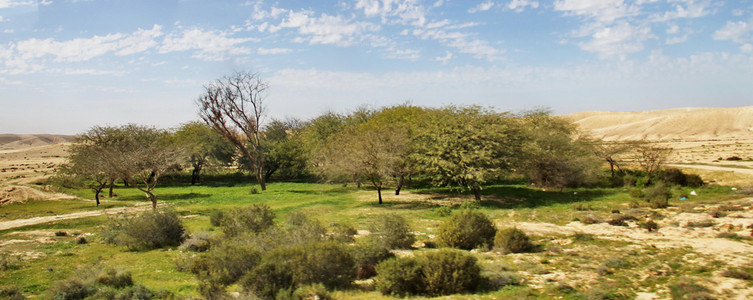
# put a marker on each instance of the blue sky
(66, 65)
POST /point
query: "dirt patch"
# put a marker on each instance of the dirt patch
(39, 220)
(20, 194)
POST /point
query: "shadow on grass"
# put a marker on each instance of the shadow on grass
(523, 197)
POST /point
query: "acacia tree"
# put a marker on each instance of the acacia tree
(286, 153)
(87, 162)
(610, 152)
(467, 146)
(234, 106)
(203, 146)
(371, 152)
(651, 157)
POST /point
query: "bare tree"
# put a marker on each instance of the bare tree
(611, 153)
(651, 157)
(234, 106)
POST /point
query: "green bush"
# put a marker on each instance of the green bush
(443, 211)
(400, 277)
(135, 292)
(227, 262)
(436, 273)
(11, 293)
(215, 217)
(113, 278)
(448, 272)
(73, 288)
(649, 225)
(392, 232)
(686, 288)
(466, 229)
(147, 230)
(196, 243)
(253, 218)
(9, 262)
(512, 240)
(310, 291)
(677, 177)
(328, 263)
(301, 229)
(492, 281)
(367, 253)
(658, 195)
(342, 233)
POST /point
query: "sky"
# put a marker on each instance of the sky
(67, 65)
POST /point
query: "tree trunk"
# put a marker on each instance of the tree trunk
(112, 185)
(260, 179)
(152, 198)
(400, 183)
(195, 175)
(379, 191)
(96, 195)
(477, 192)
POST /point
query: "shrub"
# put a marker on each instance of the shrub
(617, 263)
(135, 292)
(582, 207)
(650, 225)
(590, 220)
(737, 273)
(11, 293)
(113, 278)
(704, 223)
(148, 230)
(619, 220)
(435, 273)
(392, 232)
(636, 193)
(342, 233)
(253, 218)
(448, 272)
(61, 233)
(227, 262)
(196, 243)
(687, 288)
(327, 263)
(73, 288)
(443, 211)
(493, 281)
(312, 291)
(466, 229)
(512, 240)
(215, 217)
(658, 195)
(9, 262)
(81, 240)
(301, 229)
(367, 254)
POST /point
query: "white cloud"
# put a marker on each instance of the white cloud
(444, 59)
(673, 29)
(677, 39)
(463, 43)
(210, 45)
(271, 51)
(324, 29)
(404, 54)
(11, 3)
(737, 12)
(747, 48)
(687, 9)
(483, 6)
(737, 32)
(395, 11)
(604, 11)
(520, 5)
(4, 81)
(617, 41)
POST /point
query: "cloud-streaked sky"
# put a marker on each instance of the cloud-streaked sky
(66, 65)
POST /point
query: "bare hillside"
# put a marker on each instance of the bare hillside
(20, 141)
(685, 124)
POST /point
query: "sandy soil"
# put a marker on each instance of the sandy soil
(39, 220)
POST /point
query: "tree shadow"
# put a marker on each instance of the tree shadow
(168, 197)
(508, 197)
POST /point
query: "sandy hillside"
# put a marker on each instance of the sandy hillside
(686, 124)
(21, 141)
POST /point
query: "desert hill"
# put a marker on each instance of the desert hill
(20, 141)
(685, 124)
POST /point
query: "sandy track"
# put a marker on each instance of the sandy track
(715, 168)
(83, 214)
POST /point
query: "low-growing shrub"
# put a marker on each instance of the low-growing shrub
(253, 218)
(147, 230)
(196, 243)
(310, 291)
(108, 284)
(392, 232)
(582, 207)
(300, 229)
(328, 263)
(698, 224)
(226, 262)
(342, 233)
(512, 240)
(649, 225)
(658, 195)
(492, 281)
(620, 220)
(617, 263)
(686, 288)
(116, 279)
(73, 288)
(11, 293)
(435, 273)
(367, 253)
(590, 220)
(61, 233)
(9, 262)
(579, 236)
(443, 211)
(81, 240)
(466, 229)
(737, 273)
(215, 217)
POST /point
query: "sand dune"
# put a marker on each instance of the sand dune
(684, 124)
(20, 141)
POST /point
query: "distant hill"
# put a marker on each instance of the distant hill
(667, 125)
(20, 141)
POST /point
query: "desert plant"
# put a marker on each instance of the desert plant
(116, 279)
(61, 233)
(699, 224)
(196, 242)
(11, 293)
(658, 195)
(72, 288)
(253, 218)
(650, 225)
(493, 281)
(290, 267)
(147, 230)
(226, 262)
(392, 232)
(449, 271)
(342, 233)
(443, 211)
(737, 273)
(81, 240)
(9, 262)
(311, 291)
(619, 220)
(466, 229)
(367, 254)
(590, 220)
(512, 240)
(400, 277)
(216, 216)
(687, 288)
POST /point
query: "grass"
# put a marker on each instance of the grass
(58, 258)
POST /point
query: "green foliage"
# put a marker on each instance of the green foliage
(11, 293)
(342, 233)
(677, 177)
(466, 229)
(286, 152)
(71, 289)
(204, 147)
(436, 273)
(216, 216)
(196, 243)
(116, 279)
(687, 288)
(147, 230)
(367, 253)
(658, 195)
(327, 263)
(400, 277)
(391, 231)
(109, 284)
(512, 240)
(226, 262)
(9, 262)
(252, 218)
(443, 211)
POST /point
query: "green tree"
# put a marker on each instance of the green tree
(234, 107)
(553, 155)
(467, 146)
(87, 162)
(203, 146)
(286, 152)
